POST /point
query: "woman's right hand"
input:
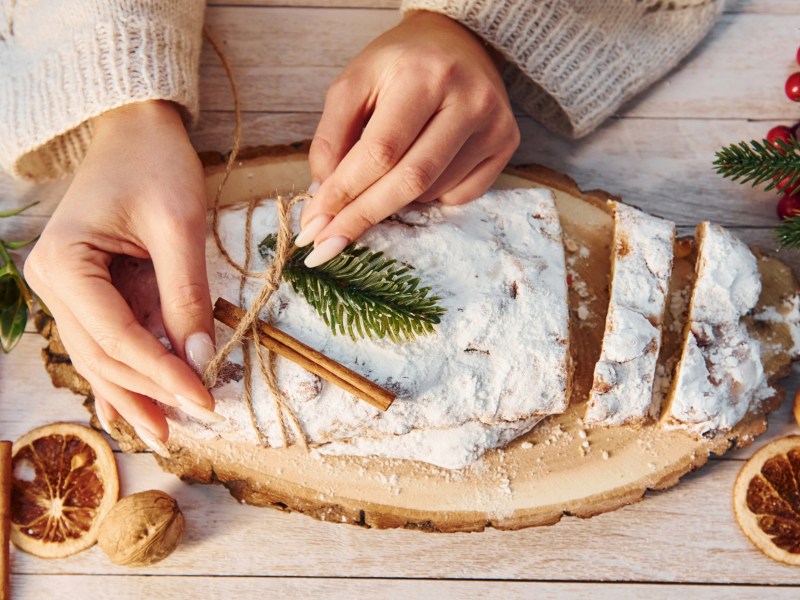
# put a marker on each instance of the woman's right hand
(139, 192)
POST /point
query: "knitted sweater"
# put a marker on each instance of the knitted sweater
(569, 63)
(64, 62)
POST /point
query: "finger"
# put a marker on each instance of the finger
(105, 412)
(90, 360)
(473, 153)
(384, 142)
(420, 167)
(340, 125)
(97, 306)
(179, 260)
(477, 182)
(141, 413)
(500, 139)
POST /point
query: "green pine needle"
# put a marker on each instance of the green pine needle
(760, 162)
(788, 232)
(362, 293)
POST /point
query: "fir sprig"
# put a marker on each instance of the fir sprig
(362, 293)
(788, 232)
(775, 163)
(760, 162)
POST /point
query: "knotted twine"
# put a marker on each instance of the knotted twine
(271, 278)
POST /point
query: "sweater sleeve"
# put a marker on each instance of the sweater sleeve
(62, 63)
(571, 64)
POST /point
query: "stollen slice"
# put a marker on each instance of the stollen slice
(642, 257)
(719, 375)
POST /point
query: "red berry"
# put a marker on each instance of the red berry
(793, 87)
(798, 56)
(789, 206)
(779, 132)
(794, 128)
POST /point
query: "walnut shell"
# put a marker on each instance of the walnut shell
(141, 529)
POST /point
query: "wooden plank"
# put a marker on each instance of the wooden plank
(686, 534)
(777, 7)
(16, 194)
(788, 7)
(285, 71)
(663, 166)
(702, 84)
(310, 3)
(299, 38)
(135, 587)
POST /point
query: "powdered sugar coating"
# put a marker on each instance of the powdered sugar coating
(497, 364)
(728, 283)
(642, 260)
(720, 375)
(623, 378)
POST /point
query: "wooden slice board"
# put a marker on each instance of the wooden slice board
(537, 479)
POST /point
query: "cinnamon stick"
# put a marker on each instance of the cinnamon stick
(283, 344)
(5, 519)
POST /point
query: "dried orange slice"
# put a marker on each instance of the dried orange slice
(797, 407)
(766, 499)
(64, 481)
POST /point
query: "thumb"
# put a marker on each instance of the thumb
(179, 259)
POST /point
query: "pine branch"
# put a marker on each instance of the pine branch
(362, 293)
(788, 232)
(760, 162)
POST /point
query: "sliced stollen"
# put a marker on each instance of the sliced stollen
(642, 256)
(719, 375)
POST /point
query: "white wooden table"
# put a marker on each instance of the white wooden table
(656, 153)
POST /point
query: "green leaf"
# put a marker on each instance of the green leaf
(13, 311)
(362, 294)
(16, 211)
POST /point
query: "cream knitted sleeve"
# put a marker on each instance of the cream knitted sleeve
(62, 63)
(572, 63)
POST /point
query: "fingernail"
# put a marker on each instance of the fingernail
(311, 230)
(152, 442)
(201, 413)
(102, 416)
(199, 351)
(326, 250)
(312, 189)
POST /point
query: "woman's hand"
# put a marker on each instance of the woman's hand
(420, 114)
(139, 192)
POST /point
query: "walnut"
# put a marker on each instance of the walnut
(141, 529)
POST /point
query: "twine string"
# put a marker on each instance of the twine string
(271, 278)
(248, 365)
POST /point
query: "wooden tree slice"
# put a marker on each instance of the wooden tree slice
(559, 468)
